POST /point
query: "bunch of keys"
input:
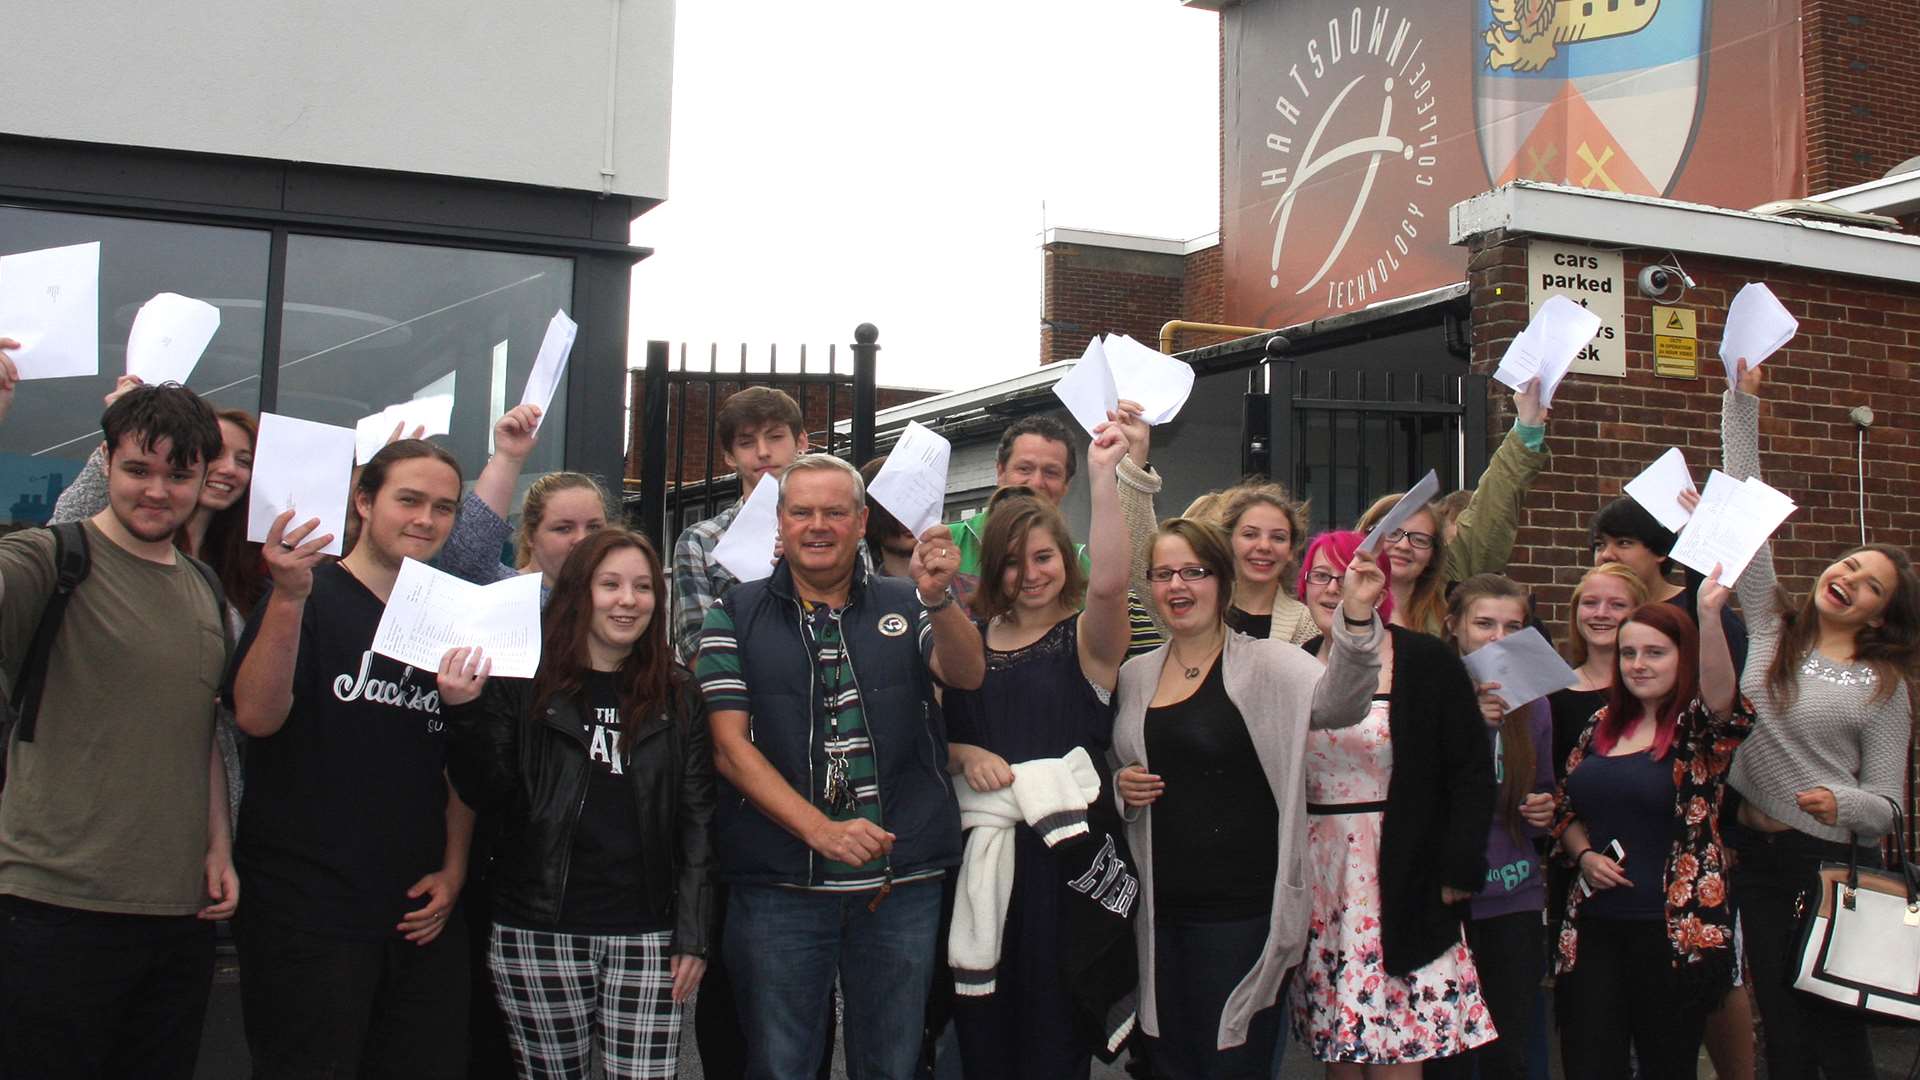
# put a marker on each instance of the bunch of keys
(839, 792)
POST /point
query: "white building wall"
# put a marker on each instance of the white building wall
(488, 89)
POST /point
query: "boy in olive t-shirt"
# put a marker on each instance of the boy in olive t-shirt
(114, 839)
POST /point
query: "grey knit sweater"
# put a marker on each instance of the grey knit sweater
(1833, 733)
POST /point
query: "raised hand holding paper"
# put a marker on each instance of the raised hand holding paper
(1658, 488)
(1733, 519)
(169, 335)
(746, 548)
(305, 467)
(433, 412)
(1088, 391)
(429, 612)
(1757, 325)
(50, 304)
(1157, 381)
(1410, 504)
(912, 485)
(1547, 347)
(551, 363)
(1524, 664)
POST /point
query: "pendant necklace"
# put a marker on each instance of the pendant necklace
(1189, 672)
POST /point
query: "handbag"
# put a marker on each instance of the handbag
(1861, 948)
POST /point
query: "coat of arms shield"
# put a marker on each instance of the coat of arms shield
(1602, 94)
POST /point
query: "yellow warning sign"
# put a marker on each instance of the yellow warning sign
(1674, 322)
(1676, 357)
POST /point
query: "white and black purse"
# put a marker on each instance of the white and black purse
(1861, 945)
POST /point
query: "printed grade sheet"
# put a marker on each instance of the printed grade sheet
(1733, 519)
(430, 612)
(169, 334)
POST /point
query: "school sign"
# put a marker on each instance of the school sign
(1351, 128)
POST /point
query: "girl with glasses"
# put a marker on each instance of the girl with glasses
(1424, 560)
(1055, 636)
(1399, 806)
(600, 772)
(1210, 729)
(1829, 675)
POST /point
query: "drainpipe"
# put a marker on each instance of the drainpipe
(1174, 326)
(613, 99)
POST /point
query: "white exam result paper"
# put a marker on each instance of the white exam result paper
(1158, 383)
(1410, 504)
(1547, 347)
(429, 612)
(302, 466)
(1524, 664)
(551, 362)
(433, 412)
(746, 548)
(1757, 325)
(169, 334)
(912, 485)
(50, 304)
(1088, 391)
(1733, 519)
(1658, 489)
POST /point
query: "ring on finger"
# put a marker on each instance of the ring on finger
(286, 545)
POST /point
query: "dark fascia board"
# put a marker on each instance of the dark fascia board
(1390, 317)
(241, 190)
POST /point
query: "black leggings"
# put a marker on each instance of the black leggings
(1623, 1002)
(1773, 878)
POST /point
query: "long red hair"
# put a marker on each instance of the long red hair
(648, 675)
(1623, 709)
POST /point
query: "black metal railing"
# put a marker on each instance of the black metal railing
(676, 472)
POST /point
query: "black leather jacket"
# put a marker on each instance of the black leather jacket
(531, 770)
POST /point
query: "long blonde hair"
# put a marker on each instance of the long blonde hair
(533, 510)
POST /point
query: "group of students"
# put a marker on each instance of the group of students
(1203, 779)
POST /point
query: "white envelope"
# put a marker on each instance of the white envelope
(301, 466)
(433, 412)
(169, 334)
(746, 548)
(50, 304)
(1658, 488)
(1088, 391)
(550, 365)
(1757, 326)
(912, 485)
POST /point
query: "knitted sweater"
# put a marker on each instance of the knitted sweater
(1833, 733)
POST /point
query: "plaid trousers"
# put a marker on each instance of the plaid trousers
(562, 994)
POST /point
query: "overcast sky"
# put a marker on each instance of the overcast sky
(886, 162)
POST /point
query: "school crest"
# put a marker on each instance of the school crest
(1601, 94)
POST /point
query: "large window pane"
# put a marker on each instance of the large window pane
(55, 423)
(369, 324)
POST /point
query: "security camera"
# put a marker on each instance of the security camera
(1657, 282)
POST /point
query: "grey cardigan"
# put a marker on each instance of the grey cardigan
(1280, 691)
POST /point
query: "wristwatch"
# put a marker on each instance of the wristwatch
(946, 600)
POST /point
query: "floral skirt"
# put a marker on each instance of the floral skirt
(1345, 1006)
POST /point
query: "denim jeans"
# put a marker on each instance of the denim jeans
(785, 947)
(1196, 967)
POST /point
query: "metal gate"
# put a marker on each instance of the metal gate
(675, 472)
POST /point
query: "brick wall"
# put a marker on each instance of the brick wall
(691, 431)
(1859, 344)
(1099, 290)
(1861, 63)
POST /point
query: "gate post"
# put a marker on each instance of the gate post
(653, 451)
(865, 395)
(1280, 433)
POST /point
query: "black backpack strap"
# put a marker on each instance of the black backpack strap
(72, 560)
